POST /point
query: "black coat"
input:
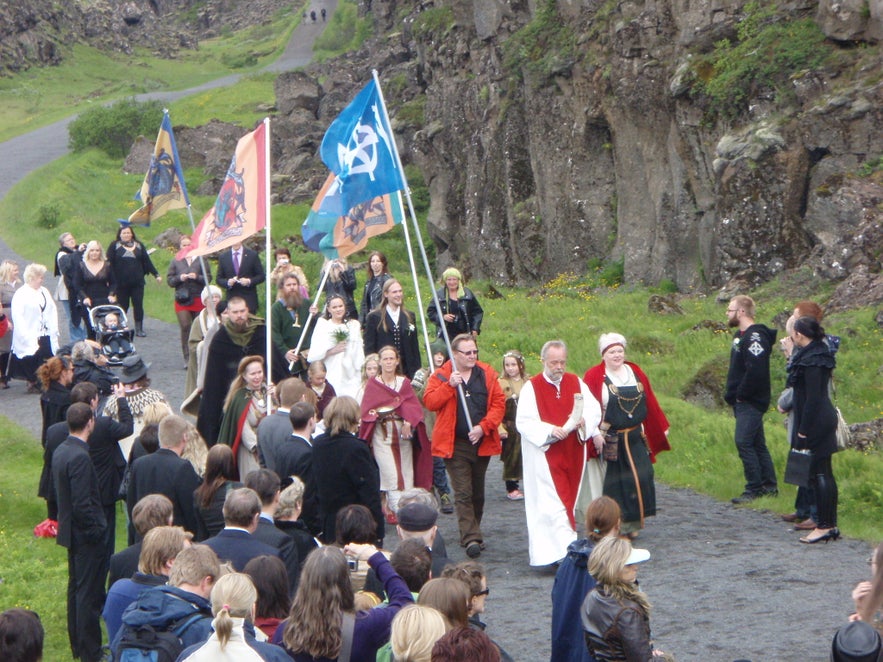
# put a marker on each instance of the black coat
(814, 424)
(81, 519)
(222, 360)
(295, 458)
(372, 295)
(53, 405)
(468, 311)
(345, 473)
(239, 547)
(249, 267)
(130, 272)
(124, 564)
(163, 472)
(748, 379)
(303, 539)
(210, 519)
(377, 337)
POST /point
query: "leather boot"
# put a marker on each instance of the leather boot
(139, 330)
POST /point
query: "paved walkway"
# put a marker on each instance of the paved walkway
(726, 583)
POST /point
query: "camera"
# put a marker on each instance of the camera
(353, 565)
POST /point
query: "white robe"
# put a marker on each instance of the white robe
(30, 322)
(343, 370)
(548, 525)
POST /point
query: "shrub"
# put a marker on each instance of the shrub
(49, 216)
(114, 128)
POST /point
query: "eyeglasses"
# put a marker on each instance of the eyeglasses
(471, 352)
(486, 591)
(732, 310)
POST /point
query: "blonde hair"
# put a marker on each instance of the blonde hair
(375, 357)
(155, 412)
(91, 245)
(233, 596)
(606, 563)
(161, 545)
(415, 629)
(196, 450)
(6, 270)
(33, 272)
(194, 564)
(291, 498)
(342, 415)
(239, 381)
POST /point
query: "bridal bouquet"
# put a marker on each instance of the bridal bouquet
(341, 334)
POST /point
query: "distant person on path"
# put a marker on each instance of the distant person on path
(82, 529)
(467, 450)
(130, 262)
(634, 422)
(815, 420)
(313, 15)
(378, 274)
(324, 13)
(34, 327)
(573, 582)
(748, 393)
(9, 283)
(66, 262)
(185, 277)
(460, 310)
(240, 271)
(94, 283)
(390, 323)
(558, 420)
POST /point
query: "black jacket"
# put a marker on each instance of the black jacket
(814, 415)
(163, 472)
(81, 519)
(295, 458)
(249, 267)
(130, 272)
(53, 405)
(239, 547)
(748, 379)
(268, 534)
(467, 310)
(377, 337)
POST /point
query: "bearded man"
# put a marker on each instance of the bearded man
(288, 319)
(241, 335)
(556, 415)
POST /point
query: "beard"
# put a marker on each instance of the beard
(292, 300)
(732, 322)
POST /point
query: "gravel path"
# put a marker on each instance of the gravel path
(726, 583)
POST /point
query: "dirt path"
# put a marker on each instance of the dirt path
(725, 583)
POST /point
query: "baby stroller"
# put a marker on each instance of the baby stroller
(116, 343)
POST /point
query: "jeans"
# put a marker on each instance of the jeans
(439, 477)
(75, 324)
(805, 503)
(757, 464)
(467, 470)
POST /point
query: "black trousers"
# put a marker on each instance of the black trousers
(821, 480)
(87, 571)
(136, 294)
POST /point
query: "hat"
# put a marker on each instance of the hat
(608, 340)
(417, 517)
(856, 642)
(438, 347)
(133, 369)
(637, 556)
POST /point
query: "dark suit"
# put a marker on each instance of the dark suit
(408, 341)
(163, 472)
(123, 564)
(82, 529)
(268, 534)
(249, 267)
(239, 547)
(273, 431)
(295, 458)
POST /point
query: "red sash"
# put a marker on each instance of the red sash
(565, 457)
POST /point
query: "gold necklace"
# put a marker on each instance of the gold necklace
(625, 402)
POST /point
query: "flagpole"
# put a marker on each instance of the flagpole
(267, 246)
(426, 266)
(306, 326)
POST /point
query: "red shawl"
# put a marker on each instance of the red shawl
(407, 405)
(655, 425)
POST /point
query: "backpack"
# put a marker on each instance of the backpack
(146, 643)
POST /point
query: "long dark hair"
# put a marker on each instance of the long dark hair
(271, 580)
(219, 468)
(383, 261)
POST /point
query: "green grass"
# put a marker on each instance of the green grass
(87, 76)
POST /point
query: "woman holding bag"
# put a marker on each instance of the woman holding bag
(815, 420)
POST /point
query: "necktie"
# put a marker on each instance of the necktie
(236, 262)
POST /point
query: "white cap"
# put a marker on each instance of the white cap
(607, 340)
(637, 556)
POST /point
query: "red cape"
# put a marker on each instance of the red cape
(655, 425)
(407, 405)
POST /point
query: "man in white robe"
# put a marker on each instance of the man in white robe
(560, 469)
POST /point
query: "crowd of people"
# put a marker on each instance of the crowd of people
(301, 456)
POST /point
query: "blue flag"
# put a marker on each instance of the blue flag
(163, 187)
(358, 148)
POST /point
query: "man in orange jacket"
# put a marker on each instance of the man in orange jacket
(466, 443)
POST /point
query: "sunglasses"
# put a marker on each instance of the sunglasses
(471, 352)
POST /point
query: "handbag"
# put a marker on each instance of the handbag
(182, 295)
(842, 431)
(797, 467)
